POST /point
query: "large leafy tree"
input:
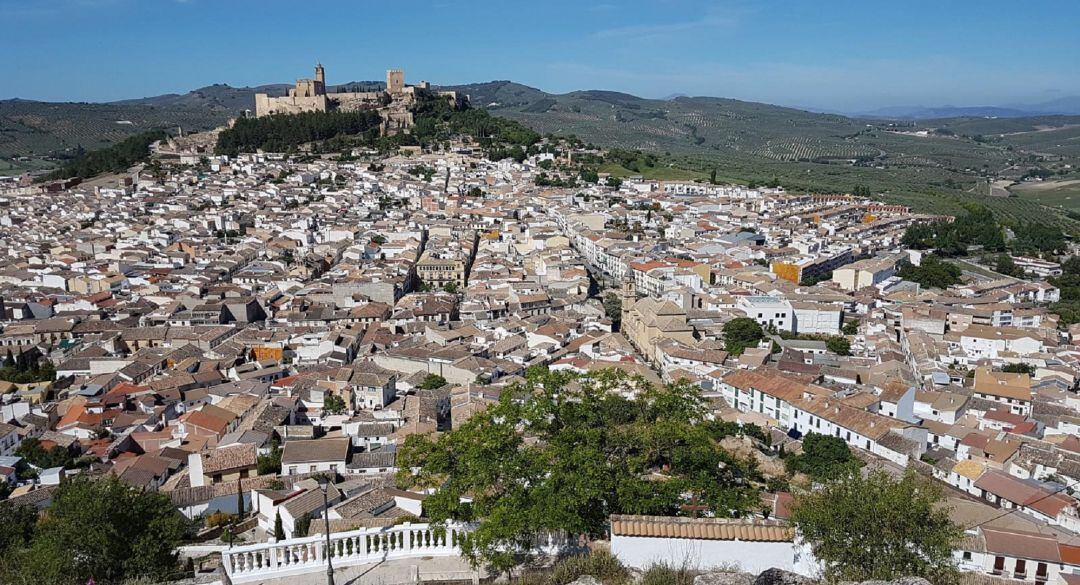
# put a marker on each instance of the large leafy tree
(104, 529)
(932, 272)
(875, 527)
(741, 333)
(560, 453)
(613, 307)
(823, 457)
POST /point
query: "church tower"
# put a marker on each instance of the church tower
(627, 296)
(320, 79)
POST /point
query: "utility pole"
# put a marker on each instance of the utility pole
(324, 483)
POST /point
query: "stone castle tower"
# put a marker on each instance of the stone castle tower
(395, 81)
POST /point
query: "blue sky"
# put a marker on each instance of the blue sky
(828, 54)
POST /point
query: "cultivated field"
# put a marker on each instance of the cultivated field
(1065, 194)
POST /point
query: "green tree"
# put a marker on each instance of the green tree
(878, 528)
(1071, 265)
(839, 345)
(105, 529)
(741, 333)
(823, 457)
(334, 404)
(932, 272)
(115, 158)
(613, 308)
(1018, 368)
(302, 525)
(17, 528)
(270, 464)
(279, 530)
(432, 381)
(31, 450)
(551, 456)
(850, 328)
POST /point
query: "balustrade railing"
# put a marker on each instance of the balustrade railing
(358, 547)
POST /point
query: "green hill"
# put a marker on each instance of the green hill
(37, 135)
(934, 165)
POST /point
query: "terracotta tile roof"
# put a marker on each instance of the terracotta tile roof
(232, 457)
(1003, 384)
(701, 528)
(1024, 545)
(315, 450)
(780, 387)
(1070, 554)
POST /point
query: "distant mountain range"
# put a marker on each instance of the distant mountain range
(934, 150)
(1068, 106)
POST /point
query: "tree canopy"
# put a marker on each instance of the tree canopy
(25, 369)
(613, 308)
(283, 132)
(334, 404)
(1069, 285)
(112, 159)
(432, 381)
(878, 528)
(932, 272)
(560, 453)
(952, 238)
(741, 333)
(839, 345)
(823, 457)
(97, 528)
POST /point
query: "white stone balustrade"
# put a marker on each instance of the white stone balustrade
(299, 556)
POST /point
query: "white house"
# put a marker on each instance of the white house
(315, 455)
(1019, 556)
(768, 311)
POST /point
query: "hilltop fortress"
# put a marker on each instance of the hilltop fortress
(309, 95)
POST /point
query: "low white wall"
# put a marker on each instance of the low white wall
(751, 557)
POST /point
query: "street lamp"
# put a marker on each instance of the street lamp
(324, 485)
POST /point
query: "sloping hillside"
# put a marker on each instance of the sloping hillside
(935, 165)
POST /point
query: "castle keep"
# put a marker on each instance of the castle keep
(309, 95)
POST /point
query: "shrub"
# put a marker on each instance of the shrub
(666, 574)
(600, 564)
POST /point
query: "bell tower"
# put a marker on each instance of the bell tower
(627, 296)
(320, 79)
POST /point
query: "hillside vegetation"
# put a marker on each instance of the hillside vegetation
(112, 159)
(934, 165)
(39, 134)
